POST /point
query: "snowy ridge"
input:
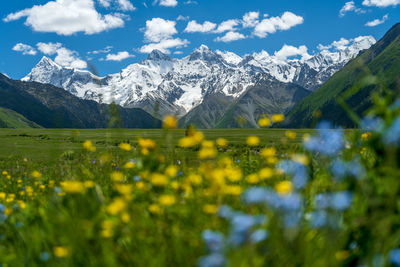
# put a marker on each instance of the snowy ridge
(179, 85)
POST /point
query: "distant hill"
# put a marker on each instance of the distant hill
(12, 119)
(374, 70)
(53, 107)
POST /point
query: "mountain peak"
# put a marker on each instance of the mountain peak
(45, 61)
(158, 55)
(206, 54)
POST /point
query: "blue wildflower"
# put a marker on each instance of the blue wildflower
(212, 260)
(259, 236)
(225, 212)
(392, 135)
(318, 219)
(255, 195)
(45, 256)
(394, 256)
(2, 208)
(341, 200)
(341, 169)
(213, 240)
(328, 142)
(372, 124)
(292, 219)
(297, 170)
(322, 201)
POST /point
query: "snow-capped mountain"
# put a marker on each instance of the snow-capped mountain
(171, 85)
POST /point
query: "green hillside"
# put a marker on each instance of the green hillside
(12, 119)
(373, 71)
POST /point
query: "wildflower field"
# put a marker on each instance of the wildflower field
(266, 197)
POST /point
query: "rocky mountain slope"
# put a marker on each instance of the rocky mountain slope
(176, 86)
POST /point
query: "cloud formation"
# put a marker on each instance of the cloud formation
(159, 29)
(250, 19)
(273, 24)
(164, 46)
(377, 22)
(193, 26)
(381, 3)
(228, 25)
(291, 51)
(350, 7)
(168, 3)
(66, 17)
(25, 49)
(64, 56)
(119, 56)
(230, 37)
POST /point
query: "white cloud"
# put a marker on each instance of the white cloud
(350, 7)
(159, 29)
(49, 48)
(291, 51)
(191, 2)
(228, 25)
(178, 53)
(193, 26)
(168, 3)
(164, 46)
(124, 5)
(341, 44)
(119, 56)
(273, 24)
(66, 17)
(25, 49)
(250, 19)
(101, 51)
(381, 3)
(230, 37)
(324, 47)
(183, 18)
(377, 22)
(64, 56)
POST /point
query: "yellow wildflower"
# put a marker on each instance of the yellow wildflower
(72, 187)
(124, 189)
(125, 217)
(221, 142)
(264, 122)
(268, 152)
(154, 208)
(290, 135)
(253, 179)
(195, 179)
(366, 135)
(5, 173)
(277, 118)
(207, 153)
(302, 159)
(88, 145)
(117, 176)
(171, 171)
(129, 165)
(210, 209)
(265, 173)
(234, 190)
(284, 188)
(60, 252)
(125, 146)
(170, 122)
(36, 175)
(2, 195)
(117, 206)
(167, 200)
(158, 179)
(253, 141)
(147, 144)
(8, 211)
(89, 184)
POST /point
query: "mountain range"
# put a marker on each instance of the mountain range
(206, 88)
(32, 104)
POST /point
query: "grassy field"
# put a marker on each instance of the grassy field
(46, 145)
(247, 198)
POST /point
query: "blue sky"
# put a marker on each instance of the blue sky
(111, 34)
